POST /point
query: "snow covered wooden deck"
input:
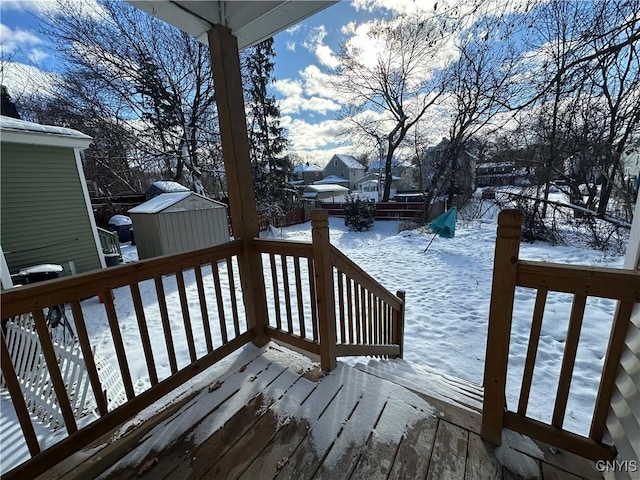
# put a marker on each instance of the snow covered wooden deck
(267, 412)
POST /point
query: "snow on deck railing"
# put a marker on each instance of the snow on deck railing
(582, 282)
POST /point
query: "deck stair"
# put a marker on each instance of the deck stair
(427, 381)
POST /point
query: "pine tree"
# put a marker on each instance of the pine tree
(267, 138)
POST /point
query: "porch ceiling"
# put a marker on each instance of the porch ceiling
(250, 21)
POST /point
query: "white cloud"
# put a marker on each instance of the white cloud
(288, 87)
(21, 79)
(12, 40)
(297, 104)
(315, 44)
(291, 45)
(317, 82)
(36, 55)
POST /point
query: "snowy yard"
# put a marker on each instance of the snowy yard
(447, 304)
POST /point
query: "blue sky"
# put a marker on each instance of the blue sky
(304, 59)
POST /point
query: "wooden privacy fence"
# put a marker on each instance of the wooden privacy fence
(580, 281)
(322, 302)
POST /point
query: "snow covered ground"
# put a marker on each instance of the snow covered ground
(447, 304)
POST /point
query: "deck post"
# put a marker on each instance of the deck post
(505, 270)
(225, 62)
(325, 300)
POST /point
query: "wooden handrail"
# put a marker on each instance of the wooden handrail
(613, 283)
(77, 287)
(353, 270)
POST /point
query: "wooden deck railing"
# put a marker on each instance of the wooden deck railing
(187, 340)
(322, 302)
(581, 282)
(109, 242)
(302, 282)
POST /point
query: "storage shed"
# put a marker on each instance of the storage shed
(45, 210)
(178, 222)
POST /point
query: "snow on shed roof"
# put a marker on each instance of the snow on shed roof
(21, 131)
(350, 161)
(326, 188)
(169, 187)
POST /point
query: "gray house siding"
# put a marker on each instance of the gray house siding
(337, 167)
(43, 217)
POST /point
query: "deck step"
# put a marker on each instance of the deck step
(461, 393)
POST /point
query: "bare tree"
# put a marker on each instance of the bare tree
(387, 94)
(145, 73)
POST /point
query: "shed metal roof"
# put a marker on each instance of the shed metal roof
(250, 21)
(166, 200)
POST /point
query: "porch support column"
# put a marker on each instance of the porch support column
(225, 62)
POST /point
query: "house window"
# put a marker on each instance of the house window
(335, 162)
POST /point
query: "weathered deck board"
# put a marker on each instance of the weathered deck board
(449, 453)
(481, 462)
(267, 419)
(414, 452)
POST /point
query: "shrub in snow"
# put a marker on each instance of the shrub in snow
(358, 214)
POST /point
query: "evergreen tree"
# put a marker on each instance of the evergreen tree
(267, 138)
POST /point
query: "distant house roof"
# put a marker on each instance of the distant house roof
(331, 179)
(307, 167)
(350, 161)
(20, 131)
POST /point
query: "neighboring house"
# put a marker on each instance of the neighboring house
(345, 166)
(371, 186)
(178, 222)
(307, 173)
(45, 211)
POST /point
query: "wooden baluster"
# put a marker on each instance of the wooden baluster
(276, 290)
(370, 324)
(234, 298)
(312, 292)
(204, 312)
(350, 309)
(341, 307)
(87, 354)
(324, 291)
(118, 344)
(13, 385)
(356, 304)
(287, 292)
(532, 350)
(186, 317)
(166, 326)
(398, 323)
(144, 332)
(363, 315)
(568, 359)
(505, 270)
(219, 302)
(296, 266)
